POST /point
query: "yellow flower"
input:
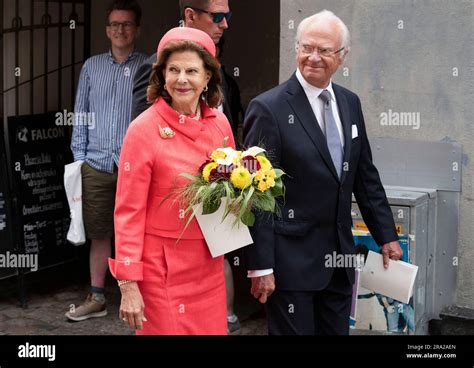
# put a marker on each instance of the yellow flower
(263, 174)
(216, 155)
(207, 170)
(241, 178)
(265, 185)
(271, 174)
(259, 175)
(264, 163)
(265, 179)
(262, 186)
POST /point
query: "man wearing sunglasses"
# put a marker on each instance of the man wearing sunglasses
(210, 16)
(212, 19)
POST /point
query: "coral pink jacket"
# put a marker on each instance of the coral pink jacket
(149, 169)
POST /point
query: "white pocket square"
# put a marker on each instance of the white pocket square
(355, 132)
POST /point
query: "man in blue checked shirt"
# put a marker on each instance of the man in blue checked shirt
(103, 114)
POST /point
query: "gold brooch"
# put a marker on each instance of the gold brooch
(166, 133)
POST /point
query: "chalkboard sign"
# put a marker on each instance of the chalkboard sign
(6, 239)
(39, 149)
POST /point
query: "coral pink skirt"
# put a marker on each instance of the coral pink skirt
(183, 288)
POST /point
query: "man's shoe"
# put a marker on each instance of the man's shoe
(92, 307)
(233, 326)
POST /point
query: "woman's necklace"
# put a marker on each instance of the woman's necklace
(168, 133)
(195, 116)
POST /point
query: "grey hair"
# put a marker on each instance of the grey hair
(326, 15)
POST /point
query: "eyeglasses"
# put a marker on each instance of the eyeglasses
(126, 25)
(325, 52)
(216, 17)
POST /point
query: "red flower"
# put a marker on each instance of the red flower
(204, 165)
(220, 172)
(251, 164)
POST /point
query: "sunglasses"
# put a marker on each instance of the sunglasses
(216, 17)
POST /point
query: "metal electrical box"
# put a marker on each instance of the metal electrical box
(412, 209)
(426, 217)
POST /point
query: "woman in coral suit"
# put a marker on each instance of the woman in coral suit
(170, 287)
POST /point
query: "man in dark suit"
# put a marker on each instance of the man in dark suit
(232, 105)
(314, 130)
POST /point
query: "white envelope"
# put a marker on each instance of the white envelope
(395, 282)
(355, 132)
(222, 236)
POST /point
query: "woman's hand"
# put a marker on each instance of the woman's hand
(132, 306)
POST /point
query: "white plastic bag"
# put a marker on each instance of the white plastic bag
(73, 186)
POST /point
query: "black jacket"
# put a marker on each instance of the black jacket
(316, 215)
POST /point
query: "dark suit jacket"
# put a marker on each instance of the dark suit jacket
(232, 105)
(140, 84)
(316, 215)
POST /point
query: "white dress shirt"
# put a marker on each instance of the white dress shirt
(317, 104)
(312, 93)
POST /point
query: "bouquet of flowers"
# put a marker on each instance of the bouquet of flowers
(239, 181)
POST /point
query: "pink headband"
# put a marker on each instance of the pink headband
(187, 34)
